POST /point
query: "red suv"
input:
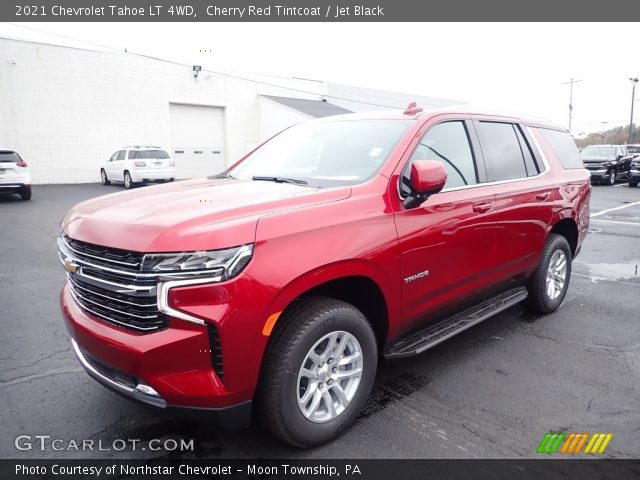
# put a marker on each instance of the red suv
(274, 289)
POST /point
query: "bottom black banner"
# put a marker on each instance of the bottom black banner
(543, 469)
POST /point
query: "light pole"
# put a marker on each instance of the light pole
(634, 80)
(603, 124)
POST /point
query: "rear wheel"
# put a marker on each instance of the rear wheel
(25, 193)
(633, 184)
(317, 373)
(104, 178)
(127, 180)
(549, 284)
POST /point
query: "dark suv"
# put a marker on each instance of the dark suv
(607, 163)
(274, 288)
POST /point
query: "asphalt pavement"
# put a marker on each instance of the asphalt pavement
(490, 392)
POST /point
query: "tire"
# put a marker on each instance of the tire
(541, 299)
(611, 178)
(305, 327)
(633, 184)
(171, 179)
(25, 193)
(127, 180)
(104, 178)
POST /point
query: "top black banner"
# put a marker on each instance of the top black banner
(315, 10)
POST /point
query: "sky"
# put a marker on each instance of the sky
(514, 67)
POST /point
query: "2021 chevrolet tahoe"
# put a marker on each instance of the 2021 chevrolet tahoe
(273, 289)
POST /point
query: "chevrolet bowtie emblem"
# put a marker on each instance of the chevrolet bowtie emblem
(69, 266)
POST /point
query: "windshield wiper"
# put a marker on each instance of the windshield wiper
(294, 181)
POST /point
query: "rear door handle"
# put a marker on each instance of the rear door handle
(482, 207)
(543, 196)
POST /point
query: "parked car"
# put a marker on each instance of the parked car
(607, 163)
(634, 150)
(634, 172)
(14, 174)
(273, 289)
(139, 164)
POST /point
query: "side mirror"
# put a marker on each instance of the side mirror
(427, 177)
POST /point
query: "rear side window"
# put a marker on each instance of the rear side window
(133, 154)
(502, 151)
(9, 156)
(447, 143)
(530, 163)
(563, 147)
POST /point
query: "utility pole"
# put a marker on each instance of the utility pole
(570, 83)
(634, 80)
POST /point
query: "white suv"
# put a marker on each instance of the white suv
(14, 174)
(139, 164)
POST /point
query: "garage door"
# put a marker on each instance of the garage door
(197, 139)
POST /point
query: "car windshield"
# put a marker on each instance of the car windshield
(634, 149)
(331, 153)
(598, 151)
(160, 154)
(9, 156)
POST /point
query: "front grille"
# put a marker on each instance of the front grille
(115, 258)
(109, 285)
(139, 312)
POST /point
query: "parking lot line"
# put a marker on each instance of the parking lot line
(616, 221)
(602, 212)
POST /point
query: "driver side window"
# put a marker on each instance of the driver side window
(448, 143)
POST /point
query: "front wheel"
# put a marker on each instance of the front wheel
(549, 284)
(611, 178)
(317, 373)
(104, 178)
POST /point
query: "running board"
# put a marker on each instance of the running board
(432, 335)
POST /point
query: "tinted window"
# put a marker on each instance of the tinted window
(596, 151)
(9, 156)
(563, 147)
(502, 151)
(121, 155)
(633, 149)
(133, 154)
(529, 162)
(447, 143)
(159, 154)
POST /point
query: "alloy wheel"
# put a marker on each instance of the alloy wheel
(556, 274)
(329, 376)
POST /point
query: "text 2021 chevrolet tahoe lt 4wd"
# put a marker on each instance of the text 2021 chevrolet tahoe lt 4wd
(273, 289)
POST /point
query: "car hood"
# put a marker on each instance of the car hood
(198, 214)
(597, 158)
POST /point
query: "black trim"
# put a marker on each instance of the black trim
(215, 348)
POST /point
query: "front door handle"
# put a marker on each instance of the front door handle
(482, 207)
(543, 196)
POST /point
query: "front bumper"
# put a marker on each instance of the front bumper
(600, 174)
(634, 176)
(169, 368)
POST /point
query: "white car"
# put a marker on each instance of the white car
(139, 164)
(14, 174)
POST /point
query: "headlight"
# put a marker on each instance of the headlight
(225, 264)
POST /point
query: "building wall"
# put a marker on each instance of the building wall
(275, 117)
(66, 110)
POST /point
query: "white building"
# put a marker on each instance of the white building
(66, 110)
